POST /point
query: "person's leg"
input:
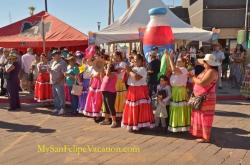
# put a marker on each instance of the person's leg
(107, 112)
(3, 90)
(111, 104)
(74, 101)
(168, 112)
(157, 121)
(163, 122)
(12, 97)
(61, 95)
(17, 100)
(55, 95)
(219, 78)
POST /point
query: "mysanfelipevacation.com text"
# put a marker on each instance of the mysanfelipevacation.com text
(86, 148)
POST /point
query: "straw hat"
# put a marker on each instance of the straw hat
(55, 52)
(70, 57)
(12, 55)
(98, 65)
(210, 60)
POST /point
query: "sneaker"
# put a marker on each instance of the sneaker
(61, 112)
(113, 125)
(105, 122)
(55, 111)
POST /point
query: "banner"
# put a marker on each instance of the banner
(92, 38)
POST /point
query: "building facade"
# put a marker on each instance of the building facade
(227, 15)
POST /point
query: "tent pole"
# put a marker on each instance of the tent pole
(43, 35)
(130, 47)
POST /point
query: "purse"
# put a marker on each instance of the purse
(76, 89)
(196, 101)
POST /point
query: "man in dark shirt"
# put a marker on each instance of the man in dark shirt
(153, 70)
(225, 63)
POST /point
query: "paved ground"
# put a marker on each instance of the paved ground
(21, 132)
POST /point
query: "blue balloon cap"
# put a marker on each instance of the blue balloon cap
(157, 11)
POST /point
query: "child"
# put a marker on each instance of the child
(161, 111)
(164, 85)
(109, 95)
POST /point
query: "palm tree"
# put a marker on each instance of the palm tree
(109, 16)
(31, 10)
(128, 4)
(111, 12)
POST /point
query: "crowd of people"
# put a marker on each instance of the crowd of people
(133, 93)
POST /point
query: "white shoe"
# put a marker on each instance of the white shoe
(55, 111)
(61, 112)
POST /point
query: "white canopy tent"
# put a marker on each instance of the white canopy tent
(125, 28)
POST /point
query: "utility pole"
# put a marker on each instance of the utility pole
(46, 5)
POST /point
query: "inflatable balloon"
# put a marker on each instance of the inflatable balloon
(157, 34)
(90, 51)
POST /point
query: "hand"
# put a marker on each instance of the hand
(191, 74)
(128, 68)
(65, 74)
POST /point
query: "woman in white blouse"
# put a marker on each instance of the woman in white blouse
(137, 111)
(180, 112)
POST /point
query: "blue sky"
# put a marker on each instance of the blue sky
(81, 14)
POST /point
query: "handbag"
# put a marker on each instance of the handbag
(76, 89)
(196, 101)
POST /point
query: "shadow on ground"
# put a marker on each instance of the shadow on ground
(231, 114)
(14, 127)
(235, 138)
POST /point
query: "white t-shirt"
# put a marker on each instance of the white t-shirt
(140, 71)
(87, 73)
(27, 60)
(3, 59)
(121, 65)
(181, 79)
(220, 56)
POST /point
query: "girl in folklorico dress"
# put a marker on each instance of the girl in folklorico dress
(86, 76)
(205, 83)
(161, 111)
(137, 111)
(245, 88)
(121, 90)
(165, 86)
(109, 95)
(71, 76)
(93, 104)
(237, 66)
(43, 88)
(179, 120)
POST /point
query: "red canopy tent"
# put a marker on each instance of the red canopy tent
(28, 33)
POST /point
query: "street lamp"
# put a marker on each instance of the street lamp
(46, 5)
(98, 26)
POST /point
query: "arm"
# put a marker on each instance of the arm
(174, 69)
(169, 95)
(135, 76)
(132, 74)
(10, 69)
(207, 78)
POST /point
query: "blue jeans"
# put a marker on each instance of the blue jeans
(59, 96)
(74, 100)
